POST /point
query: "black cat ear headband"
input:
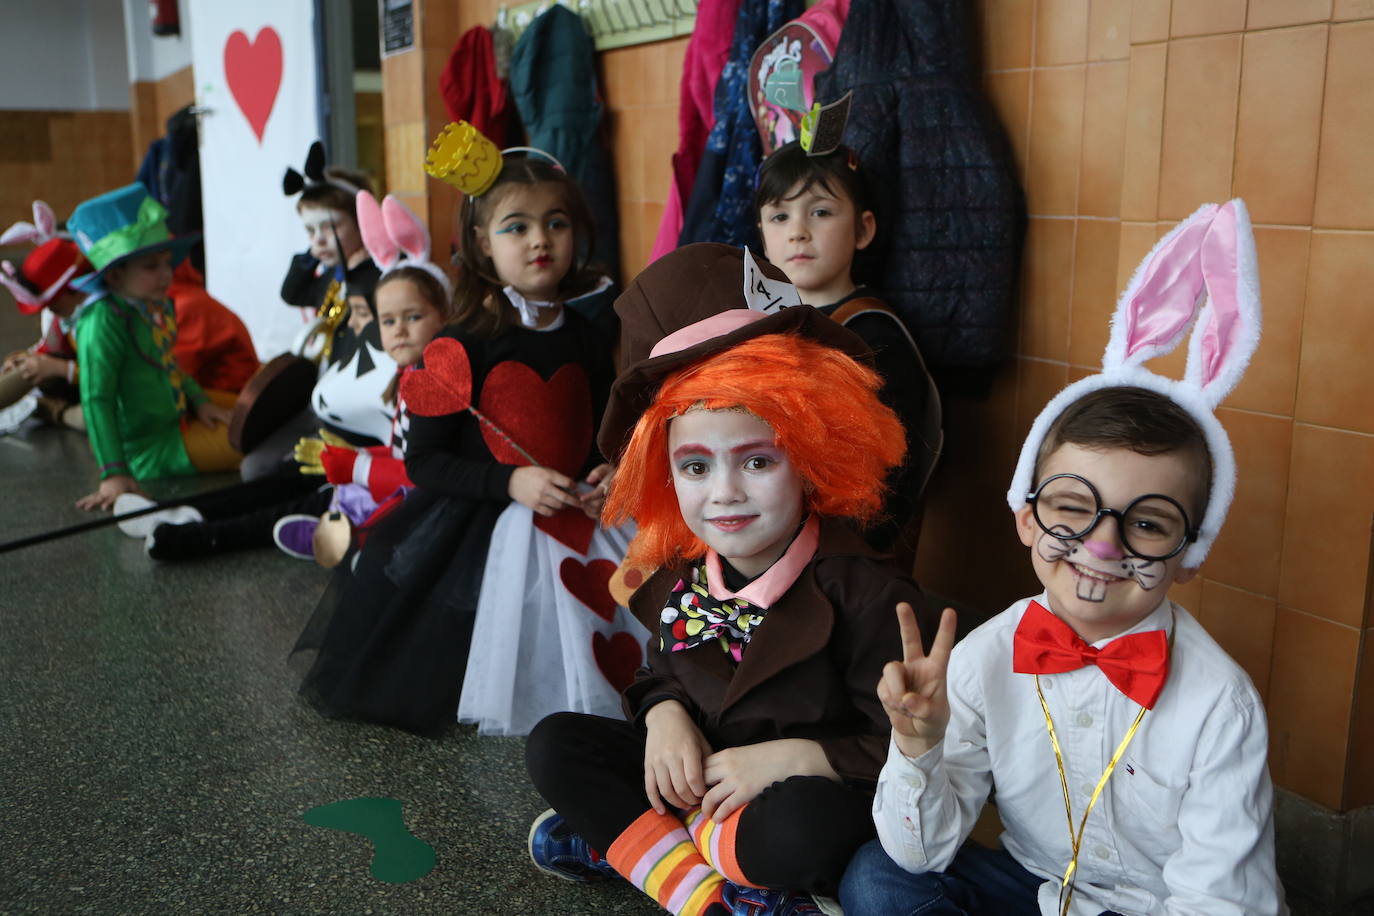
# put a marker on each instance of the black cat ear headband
(294, 182)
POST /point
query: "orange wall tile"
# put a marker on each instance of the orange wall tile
(1206, 18)
(63, 157)
(1243, 623)
(1046, 288)
(1061, 32)
(1055, 140)
(1360, 790)
(1104, 134)
(1149, 21)
(1326, 525)
(1200, 97)
(1248, 551)
(1144, 133)
(1006, 31)
(1279, 122)
(1345, 183)
(1337, 326)
(1109, 29)
(1309, 705)
(1268, 14)
(1094, 289)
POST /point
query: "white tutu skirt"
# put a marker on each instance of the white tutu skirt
(548, 635)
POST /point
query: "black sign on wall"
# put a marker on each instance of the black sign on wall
(398, 26)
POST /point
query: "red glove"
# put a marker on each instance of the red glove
(338, 464)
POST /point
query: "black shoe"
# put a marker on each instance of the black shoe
(174, 543)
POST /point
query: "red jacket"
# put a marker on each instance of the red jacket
(213, 345)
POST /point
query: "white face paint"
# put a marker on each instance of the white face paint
(320, 228)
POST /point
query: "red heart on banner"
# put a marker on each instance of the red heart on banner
(588, 583)
(444, 385)
(253, 71)
(617, 657)
(551, 420)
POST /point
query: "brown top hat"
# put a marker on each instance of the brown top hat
(686, 306)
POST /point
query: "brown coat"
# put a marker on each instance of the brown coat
(810, 670)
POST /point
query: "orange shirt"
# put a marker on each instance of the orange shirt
(213, 345)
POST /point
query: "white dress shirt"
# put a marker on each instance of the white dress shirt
(1184, 825)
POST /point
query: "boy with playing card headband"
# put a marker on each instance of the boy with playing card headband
(1100, 698)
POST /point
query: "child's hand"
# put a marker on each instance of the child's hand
(543, 490)
(737, 775)
(210, 414)
(110, 489)
(913, 690)
(674, 751)
(35, 367)
(600, 482)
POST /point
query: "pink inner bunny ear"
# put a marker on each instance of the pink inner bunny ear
(1165, 300)
(406, 229)
(1229, 333)
(9, 278)
(44, 219)
(373, 230)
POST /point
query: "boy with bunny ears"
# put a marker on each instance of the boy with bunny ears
(1099, 699)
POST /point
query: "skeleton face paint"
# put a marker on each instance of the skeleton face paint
(1092, 582)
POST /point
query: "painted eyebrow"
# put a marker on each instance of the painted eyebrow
(691, 448)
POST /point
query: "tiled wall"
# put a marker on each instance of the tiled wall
(152, 102)
(62, 157)
(1125, 115)
(640, 89)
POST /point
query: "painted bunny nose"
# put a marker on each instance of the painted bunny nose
(1103, 550)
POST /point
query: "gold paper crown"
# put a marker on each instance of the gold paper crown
(461, 156)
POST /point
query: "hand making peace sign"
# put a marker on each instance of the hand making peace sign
(913, 690)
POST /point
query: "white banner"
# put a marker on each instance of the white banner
(254, 65)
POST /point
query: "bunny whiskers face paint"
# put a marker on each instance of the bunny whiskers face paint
(1092, 581)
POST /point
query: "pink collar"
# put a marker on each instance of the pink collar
(776, 579)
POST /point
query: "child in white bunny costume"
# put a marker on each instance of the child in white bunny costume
(1100, 698)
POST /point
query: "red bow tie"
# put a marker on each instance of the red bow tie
(1137, 664)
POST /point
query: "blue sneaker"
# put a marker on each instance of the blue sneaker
(557, 850)
(757, 901)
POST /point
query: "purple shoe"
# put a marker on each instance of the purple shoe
(757, 901)
(295, 535)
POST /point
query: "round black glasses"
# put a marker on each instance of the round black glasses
(1152, 527)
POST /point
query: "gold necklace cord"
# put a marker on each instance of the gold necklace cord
(1076, 838)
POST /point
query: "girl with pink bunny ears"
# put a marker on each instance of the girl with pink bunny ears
(1100, 698)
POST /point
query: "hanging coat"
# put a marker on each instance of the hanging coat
(948, 205)
(471, 89)
(722, 205)
(553, 80)
(707, 51)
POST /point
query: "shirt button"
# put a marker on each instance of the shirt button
(1102, 852)
(1085, 720)
(1047, 684)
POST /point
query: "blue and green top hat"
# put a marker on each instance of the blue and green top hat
(119, 225)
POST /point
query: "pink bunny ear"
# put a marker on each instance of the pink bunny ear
(405, 229)
(373, 230)
(1229, 328)
(44, 220)
(1160, 301)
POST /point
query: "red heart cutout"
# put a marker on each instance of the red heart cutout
(253, 71)
(588, 583)
(444, 385)
(569, 527)
(551, 420)
(618, 658)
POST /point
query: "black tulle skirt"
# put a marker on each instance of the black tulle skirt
(392, 632)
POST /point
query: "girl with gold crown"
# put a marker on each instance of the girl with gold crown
(494, 567)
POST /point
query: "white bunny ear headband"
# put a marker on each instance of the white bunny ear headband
(1212, 252)
(43, 227)
(396, 238)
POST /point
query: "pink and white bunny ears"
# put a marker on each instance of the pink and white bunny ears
(48, 268)
(1211, 252)
(396, 238)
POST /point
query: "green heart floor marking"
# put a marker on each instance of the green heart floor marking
(398, 855)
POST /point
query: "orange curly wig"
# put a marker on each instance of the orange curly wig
(823, 407)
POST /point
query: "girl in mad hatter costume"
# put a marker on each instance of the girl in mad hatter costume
(139, 406)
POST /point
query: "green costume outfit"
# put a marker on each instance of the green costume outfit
(132, 393)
